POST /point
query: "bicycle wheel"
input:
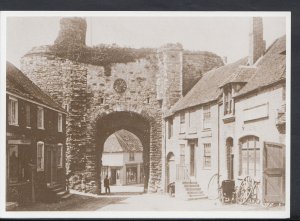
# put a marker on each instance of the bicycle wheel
(245, 190)
(213, 187)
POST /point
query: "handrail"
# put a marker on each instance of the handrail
(182, 173)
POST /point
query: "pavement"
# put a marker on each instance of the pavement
(163, 202)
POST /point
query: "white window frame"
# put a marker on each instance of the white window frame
(206, 145)
(28, 115)
(60, 151)
(182, 122)
(206, 120)
(42, 126)
(60, 122)
(42, 151)
(12, 100)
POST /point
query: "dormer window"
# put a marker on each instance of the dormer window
(228, 101)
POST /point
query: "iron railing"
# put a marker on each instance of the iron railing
(182, 173)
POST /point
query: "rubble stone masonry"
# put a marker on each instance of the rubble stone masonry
(154, 84)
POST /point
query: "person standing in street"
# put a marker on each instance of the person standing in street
(106, 184)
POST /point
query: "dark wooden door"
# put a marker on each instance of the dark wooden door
(274, 173)
(192, 160)
(51, 164)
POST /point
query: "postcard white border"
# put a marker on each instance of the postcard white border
(143, 214)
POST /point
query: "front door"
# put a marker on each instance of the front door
(51, 164)
(192, 159)
(274, 173)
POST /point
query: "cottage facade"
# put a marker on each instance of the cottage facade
(35, 140)
(122, 159)
(232, 124)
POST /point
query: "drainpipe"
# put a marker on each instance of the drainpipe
(218, 144)
(165, 155)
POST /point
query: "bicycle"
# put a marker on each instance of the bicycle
(248, 191)
(213, 187)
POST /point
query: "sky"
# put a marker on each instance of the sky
(225, 36)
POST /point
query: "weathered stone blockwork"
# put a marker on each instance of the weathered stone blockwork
(154, 84)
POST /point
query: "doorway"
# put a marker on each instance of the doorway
(274, 173)
(192, 159)
(171, 169)
(51, 164)
(230, 158)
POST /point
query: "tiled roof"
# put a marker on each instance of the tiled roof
(19, 84)
(122, 141)
(269, 69)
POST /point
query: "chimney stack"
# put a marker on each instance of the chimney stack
(257, 45)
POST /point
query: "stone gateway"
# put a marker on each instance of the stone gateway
(107, 88)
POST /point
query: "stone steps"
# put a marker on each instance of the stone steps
(59, 192)
(193, 191)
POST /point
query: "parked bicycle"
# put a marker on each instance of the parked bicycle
(248, 191)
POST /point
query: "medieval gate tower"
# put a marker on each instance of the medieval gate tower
(107, 88)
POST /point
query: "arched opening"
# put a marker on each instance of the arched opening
(170, 168)
(122, 162)
(132, 123)
(230, 158)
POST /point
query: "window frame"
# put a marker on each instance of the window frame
(206, 155)
(42, 167)
(12, 100)
(42, 127)
(182, 123)
(28, 115)
(206, 117)
(59, 122)
(257, 158)
(228, 100)
(170, 128)
(60, 153)
(131, 156)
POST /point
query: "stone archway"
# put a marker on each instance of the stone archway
(130, 121)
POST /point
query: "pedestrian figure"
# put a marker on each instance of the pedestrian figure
(106, 184)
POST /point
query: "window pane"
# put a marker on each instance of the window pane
(244, 162)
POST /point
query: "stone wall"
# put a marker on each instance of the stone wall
(195, 64)
(154, 84)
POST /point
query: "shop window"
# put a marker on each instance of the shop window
(182, 123)
(13, 111)
(40, 118)
(131, 175)
(170, 128)
(60, 123)
(207, 155)
(228, 101)
(249, 156)
(18, 163)
(206, 117)
(60, 155)
(28, 120)
(131, 156)
(13, 165)
(40, 156)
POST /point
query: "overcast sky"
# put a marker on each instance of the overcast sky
(225, 36)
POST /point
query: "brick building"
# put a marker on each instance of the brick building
(35, 140)
(232, 124)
